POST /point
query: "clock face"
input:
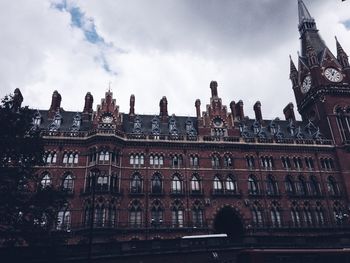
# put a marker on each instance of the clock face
(107, 119)
(333, 75)
(306, 85)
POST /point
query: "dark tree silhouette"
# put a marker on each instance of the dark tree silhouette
(28, 212)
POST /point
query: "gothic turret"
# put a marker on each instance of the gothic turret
(55, 104)
(87, 112)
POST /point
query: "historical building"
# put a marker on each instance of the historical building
(135, 176)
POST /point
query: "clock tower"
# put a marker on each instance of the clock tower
(321, 82)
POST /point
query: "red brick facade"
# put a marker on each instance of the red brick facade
(167, 176)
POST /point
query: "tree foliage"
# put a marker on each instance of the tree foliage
(27, 211)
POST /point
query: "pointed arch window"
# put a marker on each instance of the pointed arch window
(68, 183)
(295, 214)
(307, 215)
(231, 185)
(197, 214)
(177, 214)
(250, 162)
(228, 161)
(215, 161)
(194, 161)
(135, 217)
(100, 216)
(301, 186)
(253, 187)
(87, 215)
(271, 186)
(156, 213)
(157, 184)
(332, 186)
(45, 180)
(195, 184)
(102, 182)
(319, 214)
(217, 185)
(257, 215)
(289, 185)
(176, 184)
(315, 188)
(112, 216)
(275, 215)
(136, 184)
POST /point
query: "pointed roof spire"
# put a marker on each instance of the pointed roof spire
(304, 14)
(341, 55)
(292, 66)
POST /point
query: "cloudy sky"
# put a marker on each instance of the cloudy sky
(156, 48)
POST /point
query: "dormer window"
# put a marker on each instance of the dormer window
(76, 122)
(172, 126)
(155, 126)
(137, 125)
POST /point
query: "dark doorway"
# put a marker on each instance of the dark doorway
(228, 222)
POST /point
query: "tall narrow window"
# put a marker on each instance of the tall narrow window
(177, 215)
(68, 183)
(275, 216)
(156, 214)
(100, 216)
(176, 185)
(271, 186)
(253, 188)
(136, 184)
(45, 181)
(231, 184)
(156, 184)
(295, 214)
(135, 214)
(332, 186)
(289, 185)
(195, 185)
(257, 215)
(217, 185)
(197, 214)
(314, 186)
(102, 182)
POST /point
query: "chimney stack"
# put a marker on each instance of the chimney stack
(163, 106)
(239, 110)
(214, 88)
(55, 104)
(257, 110)
(233, 109)
(132, 105)
(198, 108)
(87, 112)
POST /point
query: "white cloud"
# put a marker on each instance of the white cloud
(171, 48)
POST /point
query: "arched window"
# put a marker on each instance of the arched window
(301, 186)
(271, 186)
(231, 184)
(295, 215)
(289, 185)
(156, 184)
(156, 213)
(197, 214)
(332, 186)
(195, 184)
(177, 214)
(339, 215)
(102, 182)
(68, 183)
(70, 158)
(63, 220)
(136, 184)
(307, 215)
(135, 214)
(215, 161)
(314, 186)
(112, 216)
(275, 215)
(217, 184)
(257, 215)
(194, 161)
(319, 214)
(228, 161)
(65, 158)
(176, 184)
(87, 215)
(253, 187)
(45, 181)
(100, 216)
(176, 161)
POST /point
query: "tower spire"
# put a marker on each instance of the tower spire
(304, 14)
(308, 31)
(341, 55)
